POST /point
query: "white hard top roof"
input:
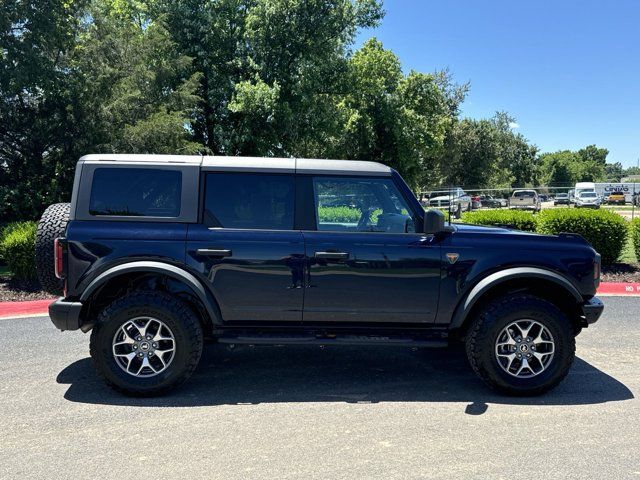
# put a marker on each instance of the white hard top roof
(253, 164)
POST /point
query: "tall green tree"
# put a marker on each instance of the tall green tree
(137, 89)
(486, 153)
(36, 104)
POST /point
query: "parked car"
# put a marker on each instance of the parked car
(588, 200)
(455, 200)
(616, 198)
(493, 202)
(525, 199)
(561, 199)
(155, 253)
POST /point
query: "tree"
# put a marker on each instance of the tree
(486, 153)
(556, 168)
(136, 88)
(613, 172)
(565, 167)
(591, 153)
(36, 114)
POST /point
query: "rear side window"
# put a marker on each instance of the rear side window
(249, 201)
(136, 192)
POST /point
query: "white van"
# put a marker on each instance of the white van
(584, 187)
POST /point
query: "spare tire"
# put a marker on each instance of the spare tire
(51, 226)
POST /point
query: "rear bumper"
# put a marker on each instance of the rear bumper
(592, 309)
(65, 315)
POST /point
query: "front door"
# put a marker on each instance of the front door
(246, 247)
(366, 262)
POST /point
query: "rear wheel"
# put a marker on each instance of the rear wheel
(146, 343)
(521, 345)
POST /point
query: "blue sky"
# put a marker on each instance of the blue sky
(569, 71)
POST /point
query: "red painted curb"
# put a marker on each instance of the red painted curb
(619, 288)
(32, 307)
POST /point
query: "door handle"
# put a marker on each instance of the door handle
(214, 252)
(332, 255)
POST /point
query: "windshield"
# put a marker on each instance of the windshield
(588, 195)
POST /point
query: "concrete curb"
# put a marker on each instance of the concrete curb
(35, 308)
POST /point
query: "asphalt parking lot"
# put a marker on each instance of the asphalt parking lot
(303, 412)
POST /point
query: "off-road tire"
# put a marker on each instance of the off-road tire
(51, 226)
(482, 335)
(183, 323)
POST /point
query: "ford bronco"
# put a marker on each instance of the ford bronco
(155, 253)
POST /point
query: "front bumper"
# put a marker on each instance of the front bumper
(592, 309)
(65, 315)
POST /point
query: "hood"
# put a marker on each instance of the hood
(509, 232)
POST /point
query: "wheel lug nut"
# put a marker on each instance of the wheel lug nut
(154, 345)
(135, 347)
(148, 337)
(151, 354)
(140, 354)
(519, 355)
(138, 338)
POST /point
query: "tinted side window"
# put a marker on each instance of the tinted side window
(360, 205)
(136, 192)
(249, 200)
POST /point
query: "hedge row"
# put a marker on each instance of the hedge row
(17, 245)
(634, 231)
(517, 219)
(606, 231)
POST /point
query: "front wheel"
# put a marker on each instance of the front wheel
(521, 345)
(146, 343)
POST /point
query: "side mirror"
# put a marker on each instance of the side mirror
(433, 221)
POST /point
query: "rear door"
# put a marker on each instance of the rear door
(366, 262)
(246, 247)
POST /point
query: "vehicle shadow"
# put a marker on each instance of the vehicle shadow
(253, 375)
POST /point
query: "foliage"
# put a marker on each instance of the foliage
(613, 172)
(17, 245)
(341, 214)
(564, 168)
(634, 232)
(36, 105)
(516, 219)
(606, 231)
(237, 77)
(482, 153)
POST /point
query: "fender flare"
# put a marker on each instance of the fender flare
(173, 271)
(469, 300)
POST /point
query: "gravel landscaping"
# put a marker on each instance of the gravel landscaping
(621, 272)
(12, 290)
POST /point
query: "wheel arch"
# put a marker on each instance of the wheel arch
(150, 275)
(540, 282)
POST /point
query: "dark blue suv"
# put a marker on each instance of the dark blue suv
(156, 253)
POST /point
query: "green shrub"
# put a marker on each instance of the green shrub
(5, 230)
(634, 231)
(17, 247)
(506, 218)
(339, 214)
(606, 231)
